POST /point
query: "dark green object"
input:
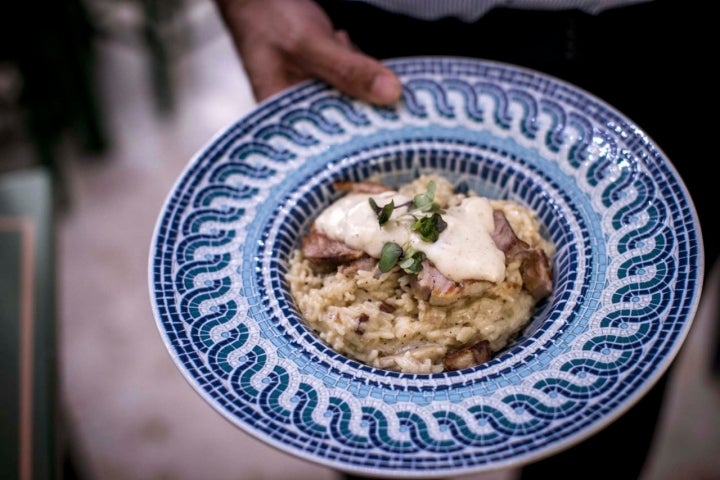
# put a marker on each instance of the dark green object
(389, 256)
(429, 228)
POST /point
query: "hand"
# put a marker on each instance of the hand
(284, 42)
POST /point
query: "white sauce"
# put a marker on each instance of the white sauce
(464, 251)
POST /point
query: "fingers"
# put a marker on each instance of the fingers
(283, 42)
(263, 89)
(340, 64)
(269, 72)
(344, 39)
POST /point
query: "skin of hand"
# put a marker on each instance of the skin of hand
(284, 42)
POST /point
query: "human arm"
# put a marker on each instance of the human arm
(284, 42)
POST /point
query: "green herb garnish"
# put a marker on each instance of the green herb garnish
(383, 213)
(409, 259)
(422, 202)
(389, 256)
(412, 263)
(425, 202)
(427, 227)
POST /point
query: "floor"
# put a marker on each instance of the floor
(131, 414)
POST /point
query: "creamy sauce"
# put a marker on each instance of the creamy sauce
(464, 251)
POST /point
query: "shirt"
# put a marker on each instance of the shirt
(471, 10)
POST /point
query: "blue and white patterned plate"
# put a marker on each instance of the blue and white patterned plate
(628, 269)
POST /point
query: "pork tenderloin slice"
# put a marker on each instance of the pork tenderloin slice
(435, 288)
(326, 254)
(535, 268)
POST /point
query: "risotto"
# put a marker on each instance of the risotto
(420, 279)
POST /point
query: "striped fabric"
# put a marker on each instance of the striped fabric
(471, 10)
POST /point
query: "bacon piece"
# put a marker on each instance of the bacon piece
(326, 254)
(360, 187)
(467, 357)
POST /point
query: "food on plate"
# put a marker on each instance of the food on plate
(421, 279)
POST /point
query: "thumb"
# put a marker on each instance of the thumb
(340, 64)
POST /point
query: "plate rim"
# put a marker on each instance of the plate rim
(219, 139)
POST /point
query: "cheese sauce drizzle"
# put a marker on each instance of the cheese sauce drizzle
(465, 250)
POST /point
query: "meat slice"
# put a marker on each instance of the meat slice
(365, 263)
(504, 236)
(536, 274)
(467, 357)
(434, 287)
(325, 254)
(431, 283)
(535, 268)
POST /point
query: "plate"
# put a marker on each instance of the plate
(627, 271)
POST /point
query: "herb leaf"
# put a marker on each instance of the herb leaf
(383, 213)
(425, 201)
(412, 263)
(389, 256)
(374, 205)
(429, 228)
(410, 260)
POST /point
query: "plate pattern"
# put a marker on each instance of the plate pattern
(628, 270)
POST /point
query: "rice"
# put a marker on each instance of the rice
(376, 319)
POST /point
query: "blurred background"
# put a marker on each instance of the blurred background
(102, 105)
